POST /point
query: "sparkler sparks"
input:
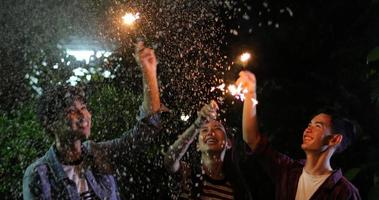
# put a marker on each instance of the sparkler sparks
(130, 18)
(237, 91)
(245, 57)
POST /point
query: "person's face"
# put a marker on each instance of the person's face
(212, 137)
(317, 134)
(78, 120)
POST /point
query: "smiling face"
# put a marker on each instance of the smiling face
(212, 137)
(75, 124)
(317, 135)
(79, 119)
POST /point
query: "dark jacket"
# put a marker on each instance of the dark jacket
(46, 179)
(285, 173)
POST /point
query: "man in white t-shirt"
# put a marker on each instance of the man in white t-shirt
(314, 178)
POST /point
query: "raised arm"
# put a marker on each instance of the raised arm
(251, 134)
(111, 155)
(146, 59)
(177, 150)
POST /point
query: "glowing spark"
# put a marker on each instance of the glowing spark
(184, 117)
(237, 91)
(245, 57)
(220, 87)
(130, 18)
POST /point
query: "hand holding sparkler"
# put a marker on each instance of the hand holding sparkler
(208, 112)
(248, 82)
(146, 59)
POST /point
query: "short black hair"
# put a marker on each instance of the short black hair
(53, 102)
(340, 124)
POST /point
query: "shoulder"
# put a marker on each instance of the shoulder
(32, 179)
(348, 189)
(32, 169)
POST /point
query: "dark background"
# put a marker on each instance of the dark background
(306, 55)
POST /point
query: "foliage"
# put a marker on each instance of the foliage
(113, 111)
(373, 55)
(22, 141)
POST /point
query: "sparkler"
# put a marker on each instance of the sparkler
(237, 91)
(130, 18)
(245, 57)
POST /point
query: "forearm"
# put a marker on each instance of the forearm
(250, 129)
(177, 150)
(151, 99)
(111, 155)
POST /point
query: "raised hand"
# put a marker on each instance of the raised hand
(247, 81)
(146, 59)
(207, 112)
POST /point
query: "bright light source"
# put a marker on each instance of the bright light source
(130, 18)
(81, 54)
(184, 117)
(245, 57)
(86, 54)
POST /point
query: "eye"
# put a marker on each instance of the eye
(70, 112)
(203, 130)
(218, 128)
(318, 125)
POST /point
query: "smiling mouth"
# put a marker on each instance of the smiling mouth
(307, 138)
(211, 141)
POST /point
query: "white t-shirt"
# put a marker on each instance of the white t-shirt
(308, 184)
(76, 174)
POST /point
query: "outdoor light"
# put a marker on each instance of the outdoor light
(130, 18)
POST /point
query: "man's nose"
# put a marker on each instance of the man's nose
(210, 132)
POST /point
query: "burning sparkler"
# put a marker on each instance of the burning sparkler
(130, 18)
(237, 91)
(245, 57)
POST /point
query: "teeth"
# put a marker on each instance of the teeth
(211, 140)
(307, 138)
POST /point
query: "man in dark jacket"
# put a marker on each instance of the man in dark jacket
(72, 169)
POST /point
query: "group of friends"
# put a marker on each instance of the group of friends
(77, 168)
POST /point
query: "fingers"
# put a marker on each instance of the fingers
(145, 57)
(247, 75)
(213, 105)
(246, 80)
(142, 52)
(208, 111)
(139, 47)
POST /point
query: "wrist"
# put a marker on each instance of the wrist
(251, 95)
(197, 123)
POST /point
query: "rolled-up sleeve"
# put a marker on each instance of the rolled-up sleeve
(273, 162)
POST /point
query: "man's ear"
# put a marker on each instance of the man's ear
(228, 144)
(335, 139)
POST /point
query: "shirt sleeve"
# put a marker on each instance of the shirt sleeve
(273, 162)
(119, 153)
(32, 184)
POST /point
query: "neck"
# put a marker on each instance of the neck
(318, 163)
(69, 152)
(212, 165)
